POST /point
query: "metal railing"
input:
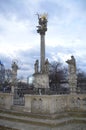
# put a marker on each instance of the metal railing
(19, 98)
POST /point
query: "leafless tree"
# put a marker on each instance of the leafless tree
(81, 81)
(57, 74)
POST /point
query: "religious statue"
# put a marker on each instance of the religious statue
(47, 66)
(72, 78)
(41, 77)
(36, 66)
(14, 67)
(14, 70)
(72, 65)
(42, 27)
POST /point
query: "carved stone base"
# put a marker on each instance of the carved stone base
(73, 83)
(41, 80)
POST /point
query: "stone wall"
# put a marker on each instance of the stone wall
(52, 104)
(47, 104)
(77, 102)
(6, 100)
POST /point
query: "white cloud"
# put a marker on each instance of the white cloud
(65, 35)
(16, 35)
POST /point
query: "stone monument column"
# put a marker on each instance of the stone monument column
(41, 29)
(72, 77)
(41, 77)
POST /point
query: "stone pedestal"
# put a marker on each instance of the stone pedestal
(41, 80)
(73, 83)
(6, 100)
(12, 89)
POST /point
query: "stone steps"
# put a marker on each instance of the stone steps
(29, 119)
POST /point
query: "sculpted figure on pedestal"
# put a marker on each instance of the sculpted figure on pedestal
(36, 66)
(72, 65)
(72, 77)
(14, 71)
(46, 66)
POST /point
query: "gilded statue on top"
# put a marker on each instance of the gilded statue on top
(42, 27)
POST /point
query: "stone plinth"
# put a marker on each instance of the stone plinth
(72, 82)
(28, 99)
(41, 80)
(12, 89)
(6, 100)
(45, 104)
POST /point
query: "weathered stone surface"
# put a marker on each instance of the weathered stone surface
(50, 107)
(14, 71)
(6, 100)
(55, 103)
(26, 121)
(72, 77)
(43, 104)
(36, 66)
(41, 80)
(41, 29)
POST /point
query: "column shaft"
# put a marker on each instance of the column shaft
(42, 51)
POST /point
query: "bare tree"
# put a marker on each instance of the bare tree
(81, 81)
(57, 73)
(8, 75)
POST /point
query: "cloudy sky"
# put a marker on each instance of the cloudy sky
(66, 33)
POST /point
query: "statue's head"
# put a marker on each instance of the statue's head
(43, 16)
(72, 57)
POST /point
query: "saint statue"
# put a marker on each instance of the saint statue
(72, 65)
(72, 79)
(14, 70)
(47, 66)
(36, 66)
